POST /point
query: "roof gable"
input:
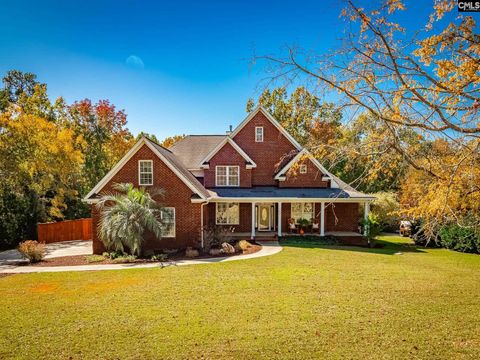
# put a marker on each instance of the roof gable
(305, 153)
(168, 159)
(250, 163)
(272, 120)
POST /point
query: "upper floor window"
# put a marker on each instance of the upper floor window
(145, 172)
(303, 169)
(259, 134)
(227, 176)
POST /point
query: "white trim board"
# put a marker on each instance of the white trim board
(127, 157)
(237, 149)
(271, 119)
(328, 176)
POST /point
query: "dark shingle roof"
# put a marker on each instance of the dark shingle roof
(274, 192)
(192, 149)
(178, 165)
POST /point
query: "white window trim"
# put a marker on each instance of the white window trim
(227, 169)
(227, 223)
(139, 177)
(174, 223)
(303, 210)
(256, 129)
(303, 169)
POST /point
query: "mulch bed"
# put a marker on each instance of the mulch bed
(82, 259)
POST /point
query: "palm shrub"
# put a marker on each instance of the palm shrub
(125, 216)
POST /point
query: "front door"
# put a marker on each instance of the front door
(264, 217)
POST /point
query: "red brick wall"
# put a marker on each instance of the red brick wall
(177, 194)
(342, 217)
(313, 177)
(347, 214)
(245, 217)
(227, 155)
(267, 154)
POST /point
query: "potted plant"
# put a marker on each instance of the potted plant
(303, 224)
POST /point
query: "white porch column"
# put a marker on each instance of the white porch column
(365, 217)
(322, 219)
(252, 235)
(279, 220)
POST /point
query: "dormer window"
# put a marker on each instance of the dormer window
(227, 176)
(145, 172)
(259, 134)
(303, 169)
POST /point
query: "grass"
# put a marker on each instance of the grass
(309, 301)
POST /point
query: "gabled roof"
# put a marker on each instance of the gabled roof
(272, 120)
(192, 149)
(305, 153)
(250, 163)
(166, 156)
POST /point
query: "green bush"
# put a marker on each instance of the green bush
(125, 259)
(385, 207)
(94, 258)
(373, 226)
(460, 238)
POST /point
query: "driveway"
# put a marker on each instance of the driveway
(64, 248)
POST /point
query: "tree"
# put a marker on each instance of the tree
(126, 216)
(148, 136)
(424, 81)
(40, 166)
(302, 114)
(171, 140)
(107, 139)
(17, 83)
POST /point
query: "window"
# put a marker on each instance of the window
(145, 172)
(227, 176)
(228, 214)
(302, 211)
(259, 134)
(303, 169)
(168, 221)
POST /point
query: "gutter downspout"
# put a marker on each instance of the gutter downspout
(201, 224)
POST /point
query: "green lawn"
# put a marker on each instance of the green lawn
(305, 302)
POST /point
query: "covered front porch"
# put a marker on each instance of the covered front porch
(264, 220)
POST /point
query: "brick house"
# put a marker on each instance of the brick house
(256, 180)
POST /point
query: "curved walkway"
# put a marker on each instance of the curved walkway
(268, 248)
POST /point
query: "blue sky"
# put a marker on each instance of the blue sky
(188, 65)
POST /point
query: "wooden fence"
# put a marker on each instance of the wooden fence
(80, 229)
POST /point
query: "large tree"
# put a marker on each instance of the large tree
(423, 80)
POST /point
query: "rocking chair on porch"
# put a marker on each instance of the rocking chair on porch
(292, 227)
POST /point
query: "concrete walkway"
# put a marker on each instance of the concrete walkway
(59, 249)
(268, 248)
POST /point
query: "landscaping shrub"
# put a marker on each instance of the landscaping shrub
(159, 257)
(94, 258)
(460, 238)
(215, 236)
(125, 259)
(320, 240)
(374, 228)
(32, 250)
